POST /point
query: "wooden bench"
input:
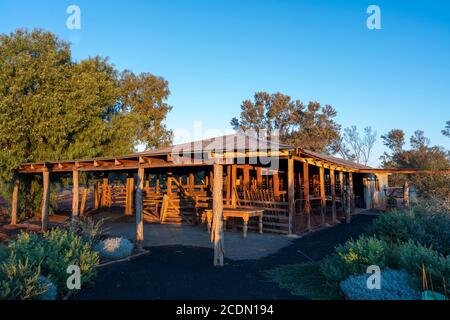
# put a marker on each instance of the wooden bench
(243, 213)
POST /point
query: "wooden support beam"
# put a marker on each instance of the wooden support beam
(104, 201)
(352, 192)
(259, 178)
(228, 185)
(406, 194)
(139, 208)
(217, 233)
(306, 195)
(246, 178)
(169, 183)
(323, 199)
(83, 200)
(333, 196)
(341, 187)
(15, 201)
(75, 194)
(129, 196)
(291, 194)
(96, 195)
(276, 185)
(233, 185)
(45, 199)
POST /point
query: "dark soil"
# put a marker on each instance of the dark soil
(179, 272)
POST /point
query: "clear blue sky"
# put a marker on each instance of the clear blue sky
(217, 53)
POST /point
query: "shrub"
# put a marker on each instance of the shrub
(353, 258)
(427, 228)
(412, 257)
(51, 290)
(19, 280)
(87, 228)
(3, 253)
(394, 286)
(114, 248)
(54, 252)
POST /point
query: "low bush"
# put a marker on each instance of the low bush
(87, 228)
(20, 280)
(51, 292)
(353, 258)
(426, 227)
(412, 257)
(54, 252)
(114, 248)
(394, 286)
(3, 253)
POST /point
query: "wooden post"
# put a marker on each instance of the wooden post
(191, 183)
(333, 196)
(228, 184)
(291, 194)
(75, 194)
(15, 202)
(341, 186)
(139, 208)
(323, 199)
(348, 215)
(306, 195)
(352, 192)
(276, 186)
(83, 200)
(104, 201)
(129, 197)
(246, 176)
(217, 233)
(406, 194)
(169, 183)
(96, 195)
(259, 178)
(45, 199)
(233, 185)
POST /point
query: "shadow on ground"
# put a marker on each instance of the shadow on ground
(180, 272)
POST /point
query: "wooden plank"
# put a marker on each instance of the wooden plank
(306, 195)
(228, 185)
(15, 201)
(351, 192)
(406, 194)
(104, 201)
(341, 186)
(323, 201)
(276, 185)
(75, 194)
(96, 195)
(217, 232)
(83, 200)
(139, 208)
(45, 199)
(233, 185)
(291, 194)
(246, 178)
(259, 178)
(333, 196)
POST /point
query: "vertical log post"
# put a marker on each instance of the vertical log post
(306, 195)
(45, 199)
(96, 195)
(139, 208)
(352, 192)
(341, 187)
(406, 194)
(217, 233)
(233, 185)
(83, 200)
(15, 201)
(228, 184)
(276, 186)
(169, 183)
(104, 202)
(129, 196)
(333, 196)
(323, 200)
(291, 193)
(259, 177)
(246, 176)
(75, 195)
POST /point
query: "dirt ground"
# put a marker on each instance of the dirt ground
(182, 272)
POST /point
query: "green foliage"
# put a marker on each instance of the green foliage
(114, 248)
(394, 286)
(3, 253)
(412, 256)
(20, 280)
(428, 228)
(55, 251)
(311, 126)
(53, 108)
(353, 258)
(303, 280)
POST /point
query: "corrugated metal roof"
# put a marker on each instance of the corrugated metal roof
(336, 160)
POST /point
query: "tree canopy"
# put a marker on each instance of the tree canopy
(53, 108)
(420, 156)
(310, 126)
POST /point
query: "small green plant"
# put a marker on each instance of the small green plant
(54, 252)
(87, 228)
(20, 280)
(353, 258)
(414, 257)
(394, 286)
